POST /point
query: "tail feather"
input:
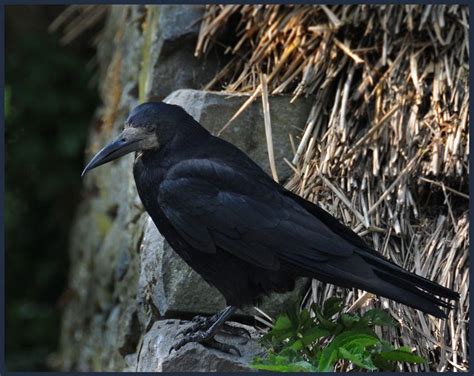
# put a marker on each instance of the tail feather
(403, 287)
(375, 274)
(393, 282)
(411, 296)
(385, 267)
(369, 270)
(415, 297)
(394, 288)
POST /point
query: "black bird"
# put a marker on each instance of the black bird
(241, 231)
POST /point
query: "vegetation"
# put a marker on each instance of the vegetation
(322, 340)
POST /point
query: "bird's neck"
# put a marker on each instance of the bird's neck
(155, 163)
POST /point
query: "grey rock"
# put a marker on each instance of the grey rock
(129, 331)
(148, 278)
(177, 21)
(168, 283)
(170, 41)
(154, 356)
(99, 322)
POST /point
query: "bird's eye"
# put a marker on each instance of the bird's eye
(150, 128)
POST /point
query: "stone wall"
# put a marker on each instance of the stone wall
(128, 291)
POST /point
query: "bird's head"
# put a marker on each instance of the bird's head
(148, 126)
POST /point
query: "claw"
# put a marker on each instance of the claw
(171, 349)
(224, 347)
(195, 337)
(183, 331)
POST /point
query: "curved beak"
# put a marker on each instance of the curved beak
(126, 142)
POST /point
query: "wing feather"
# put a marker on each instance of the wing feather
(213, 206)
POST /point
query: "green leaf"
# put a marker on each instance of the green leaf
(313, 334)
(305, 321)
(293, 314)
(283, 323)
(284, 362)
(384, 346)
(327, 360)
(324, 322)
(297, 345)
(291, 354)
(282, 329)
(377, 317)
(401, 355)
(351, 340)
(349, 320)
(332, 306)
(301, 366)
(382, 364)
(361, 359)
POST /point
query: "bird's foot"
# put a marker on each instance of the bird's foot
(203, 322)
(203, 330)
(199, 323)
(207, 339)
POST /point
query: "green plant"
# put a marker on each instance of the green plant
(315, 340)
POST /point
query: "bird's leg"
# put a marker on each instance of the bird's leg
(204, 330)
(199, 323)
(203, 322)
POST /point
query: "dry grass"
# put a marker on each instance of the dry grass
(385, 148)
(76, 19)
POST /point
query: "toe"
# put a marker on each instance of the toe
(224, 347)
(184, 331)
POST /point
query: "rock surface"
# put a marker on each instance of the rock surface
(153, 354)
(169, 63)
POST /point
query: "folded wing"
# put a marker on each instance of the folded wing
(212, 206)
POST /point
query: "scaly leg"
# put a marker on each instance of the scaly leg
(203, 331)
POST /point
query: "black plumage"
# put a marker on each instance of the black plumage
(241, 231)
